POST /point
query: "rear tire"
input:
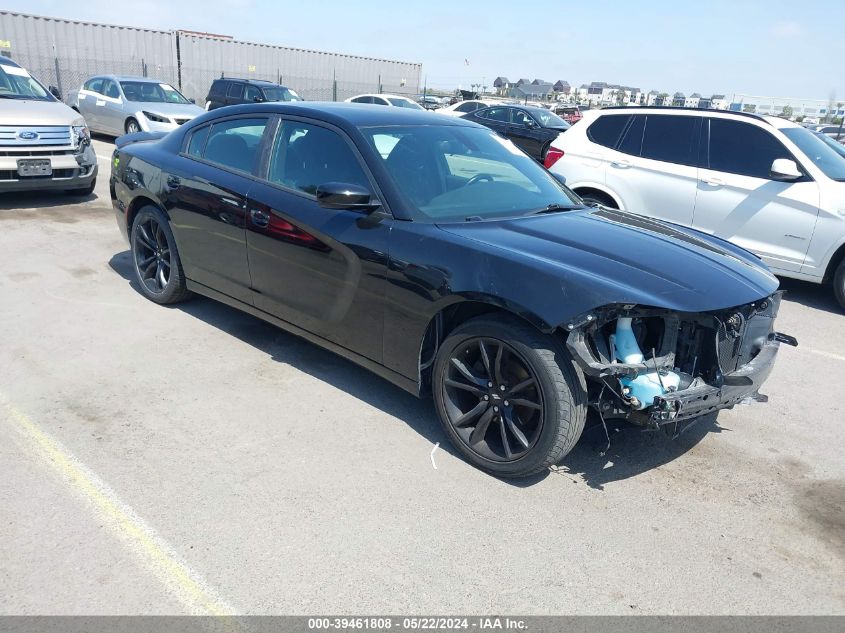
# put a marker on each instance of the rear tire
(131, 126)
(155, 259)
(839, 284)
(509, 397)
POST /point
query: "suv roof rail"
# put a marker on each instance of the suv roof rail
(752, 115)
(249, 81)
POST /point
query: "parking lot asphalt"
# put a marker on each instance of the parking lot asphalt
(194, 459)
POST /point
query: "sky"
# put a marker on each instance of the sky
(773, 48)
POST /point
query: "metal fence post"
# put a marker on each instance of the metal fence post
(334, 85)
(58, 77)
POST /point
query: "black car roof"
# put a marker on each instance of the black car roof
(248, 81)
(5, 61)
(356, 114)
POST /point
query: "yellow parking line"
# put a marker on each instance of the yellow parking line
(186, 584)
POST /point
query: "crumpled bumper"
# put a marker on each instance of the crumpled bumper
(701, 398)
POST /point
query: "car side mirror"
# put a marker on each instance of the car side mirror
(194, 101)
(785, 169)
(55, 92)
(530, 123)
(341, 195)
(258, 99)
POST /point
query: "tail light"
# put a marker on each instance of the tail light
(552, 156)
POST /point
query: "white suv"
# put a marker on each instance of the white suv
(764, 183)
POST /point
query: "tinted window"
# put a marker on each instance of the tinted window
(236, 91)
(742, 148)
(306, 156)
(485, 175)
(496, 114)
(251, 93)
(671, 139)
(197, 143)
(362, 100)
(468, 107)
(520, 117)
(632, 141)
(607, 129)
(94, 85)
(235, 143)
(110, 89)
(218, 88)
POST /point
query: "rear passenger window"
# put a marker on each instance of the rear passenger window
(744, 149)
(197, 143)
(607, 129)
(218, 88)
(496, 114)
(235, 143)
(362, 100)
(671, 139)
(236, 91)
(94, 85)
(632, 142)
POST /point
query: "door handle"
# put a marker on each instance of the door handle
(713, 182)
(621, 164)
(259, 218)
(173, 182)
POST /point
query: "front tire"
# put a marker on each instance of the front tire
(155, 259)
(839, 284)
(132, 126)
(509, 397)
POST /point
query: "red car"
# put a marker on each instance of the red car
(570, 114)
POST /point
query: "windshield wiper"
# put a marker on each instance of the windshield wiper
(552, 208)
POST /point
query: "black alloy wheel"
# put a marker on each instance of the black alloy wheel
(493, 399)
(155, 258)
(508, 396)
(152, 256)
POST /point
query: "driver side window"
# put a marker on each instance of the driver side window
(306, 156)
(520, 117)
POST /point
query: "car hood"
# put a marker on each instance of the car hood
(182, 110)
(605, 256)
(23, 112)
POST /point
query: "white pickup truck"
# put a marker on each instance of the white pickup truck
(43, 143)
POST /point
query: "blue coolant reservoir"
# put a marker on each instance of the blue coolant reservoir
(646, 386)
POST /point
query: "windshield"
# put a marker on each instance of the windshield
(281, 94)
(453, 174)
(149, 92)
(16, 83)
(404, 103)
(547, 118)
(821, 150)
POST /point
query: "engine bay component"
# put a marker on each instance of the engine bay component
(698, 362)
(643, 388)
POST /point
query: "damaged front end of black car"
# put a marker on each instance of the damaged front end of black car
(659, 368)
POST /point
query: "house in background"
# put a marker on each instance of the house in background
(533, 92)
(521, 82)
(651, 98)
(692, 101)
(678, 100)
(502, 85)
(718, 102)
(562, 87)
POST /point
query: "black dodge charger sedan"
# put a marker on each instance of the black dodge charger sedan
(435, 253)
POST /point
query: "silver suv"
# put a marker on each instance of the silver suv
(43, 143)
